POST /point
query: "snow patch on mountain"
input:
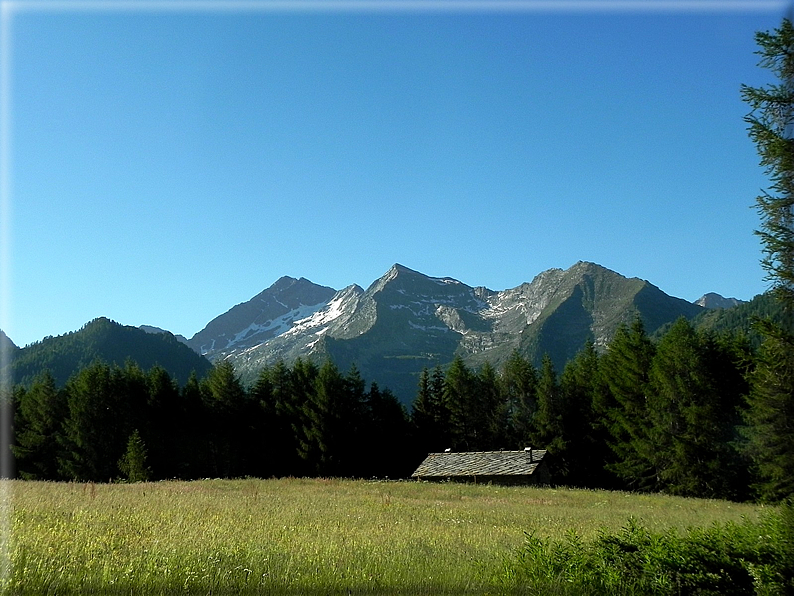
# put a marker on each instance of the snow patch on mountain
(277, 326)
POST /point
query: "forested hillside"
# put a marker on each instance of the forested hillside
(650, 416)
(110, 342)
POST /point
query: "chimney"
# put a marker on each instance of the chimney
(528, 450)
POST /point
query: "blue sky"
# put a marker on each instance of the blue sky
(167, 163)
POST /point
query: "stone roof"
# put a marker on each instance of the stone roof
(480, 463)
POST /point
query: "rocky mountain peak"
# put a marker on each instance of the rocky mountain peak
(714, 300)
(265, 316)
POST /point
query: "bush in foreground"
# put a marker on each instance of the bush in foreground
(730, 559)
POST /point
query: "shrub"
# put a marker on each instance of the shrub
(730, 559)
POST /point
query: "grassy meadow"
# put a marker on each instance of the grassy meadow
(305, 536)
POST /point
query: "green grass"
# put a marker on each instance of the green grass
(296, 536)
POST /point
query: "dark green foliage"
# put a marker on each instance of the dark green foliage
(463, 401)
(281, 410)
(429, 417)
(331, 422)
(586, 449)
(134, 462)
(724, 560)
(106, 340)
(228, 412)
(693, 409)
(770, 127)
(771, 403)
(299, 421)
(770, 414)
(548, 425)
(737, 320)
(385, 437)
(163, 424)
(97, 426)
(38, 424)
(493, 410)
(602, 412)
(518, 385)
(626, 367)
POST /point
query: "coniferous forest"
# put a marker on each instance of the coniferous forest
(670, 415)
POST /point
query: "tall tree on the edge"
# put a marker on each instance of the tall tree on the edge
(770, 416)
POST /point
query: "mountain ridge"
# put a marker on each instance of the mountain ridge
(111, 342)
(406, 320)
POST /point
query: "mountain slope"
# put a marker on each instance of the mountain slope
(740, 318)
(406, 321)
(106, 340)
(6, 343)
(263, 317)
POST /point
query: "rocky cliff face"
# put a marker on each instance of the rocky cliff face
(406, 320)
(267, 315)
(714, 300)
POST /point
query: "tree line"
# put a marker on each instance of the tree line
(109, 422)
(676, 415)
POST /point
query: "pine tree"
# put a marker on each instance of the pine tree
(692, 415)
(461, 397)
(320, 444)
(287, 406)
(430, 414)
(95, 430)
(164, 424)
(133, 464)
(386, 452)
(493, 411)
(518, 382)
(228, 424)
(38, 428)
(193, 445)
(770, 415)
(548, 430)
(626, 366)
(771, 127)
(580, 386)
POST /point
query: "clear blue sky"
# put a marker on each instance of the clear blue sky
(166, 165)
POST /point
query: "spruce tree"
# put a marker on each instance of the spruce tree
(518, 384)
(461, 396)
(134, 462)
(41, 410)
(692, 415)
(96, 429)
(228, 421)
(626, 367)
(580, 387)
(771, 128)
(548, 424)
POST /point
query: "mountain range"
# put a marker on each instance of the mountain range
(403, 322)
